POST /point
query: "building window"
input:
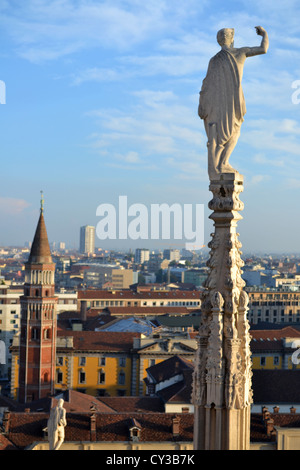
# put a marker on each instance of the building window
(35, 334)
(122, 362)
(101, 377)
(135, 434)
(82, 361)
(81, 377)
(59, 377)
(262, 361)
(102, 361)
(60, 361)
(122, 378)
(276, 360)
(47, 333)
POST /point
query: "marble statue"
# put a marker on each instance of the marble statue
(222, 103)
(56, 426)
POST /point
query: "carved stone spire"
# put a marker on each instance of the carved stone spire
(222, 379)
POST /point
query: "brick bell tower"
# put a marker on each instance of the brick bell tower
(38, 320)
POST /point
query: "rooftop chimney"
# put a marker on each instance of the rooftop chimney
(93, 427)
(175, 426)
(83, 310)
(5, 421)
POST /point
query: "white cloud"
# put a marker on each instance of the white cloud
(49, 29)
(12, 206)
(159, 130)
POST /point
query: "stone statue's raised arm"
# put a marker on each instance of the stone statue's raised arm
(263, 48)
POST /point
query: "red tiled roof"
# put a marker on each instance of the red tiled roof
(5, 444)
(27, 428)
(272, 335)
(80, 402)
(101, 340)
(134, 404)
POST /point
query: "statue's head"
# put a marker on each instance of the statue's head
(225, 37)
(60, 403)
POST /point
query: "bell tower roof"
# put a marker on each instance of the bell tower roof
(40, 250)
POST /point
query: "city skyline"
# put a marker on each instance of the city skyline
(102, 101)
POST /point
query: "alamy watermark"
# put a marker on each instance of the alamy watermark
(182, 222)
(2, 92)
(2, 353)
(296, 94)
(296, 354)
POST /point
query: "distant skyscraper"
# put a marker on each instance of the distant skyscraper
(141, 255)
(87, 240)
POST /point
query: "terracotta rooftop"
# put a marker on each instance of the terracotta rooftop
(134, 404)
(274, 335)
(40, 250)
(25, 429)
(5, 444)
(101, 340)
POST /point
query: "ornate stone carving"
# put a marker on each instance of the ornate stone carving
(222, 376)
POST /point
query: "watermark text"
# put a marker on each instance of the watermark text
(184, 223)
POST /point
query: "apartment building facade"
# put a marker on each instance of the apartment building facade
(280, 305)
(96, 299)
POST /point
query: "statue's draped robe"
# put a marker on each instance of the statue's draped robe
(221, 98)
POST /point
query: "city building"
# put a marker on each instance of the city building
(275, 349)
(99, 275)
(142, 255)
(130, 298)
(98, 363)
(9, 322)
(171, 380)
(196, 276)
(281, 305)
(87, 240)
(107, 363)
(171, 255)
(156, 348)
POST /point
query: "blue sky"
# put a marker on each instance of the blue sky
(101, 101)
